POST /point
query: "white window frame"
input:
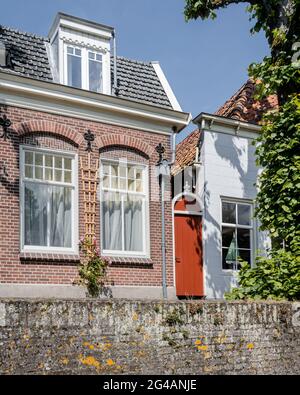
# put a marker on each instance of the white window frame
(145, 194)
(236, 226)
(84, 65)
(74, 235)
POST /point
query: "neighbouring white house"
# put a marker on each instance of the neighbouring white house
(214, 189)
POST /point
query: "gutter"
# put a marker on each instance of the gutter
(48, 90)
(202, 117)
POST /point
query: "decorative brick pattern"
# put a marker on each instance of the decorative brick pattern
(121, 337)
(125, 141)
(34, 126)
(57, 132)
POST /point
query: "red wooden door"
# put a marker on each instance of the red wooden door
(188, 255)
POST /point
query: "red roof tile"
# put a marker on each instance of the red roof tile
(186, 152)
(243, 107)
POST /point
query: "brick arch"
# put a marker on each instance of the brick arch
(125, 141)
(59, 129)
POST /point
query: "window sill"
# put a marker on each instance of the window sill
(49, 257)
(130, 261)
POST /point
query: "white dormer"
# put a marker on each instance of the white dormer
(80, 53)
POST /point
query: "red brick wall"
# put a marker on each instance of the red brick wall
(65, 133)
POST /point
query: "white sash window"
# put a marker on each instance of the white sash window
(124, 213)
(237, 234)
(48, 200)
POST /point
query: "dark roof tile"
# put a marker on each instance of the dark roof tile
(136, 80)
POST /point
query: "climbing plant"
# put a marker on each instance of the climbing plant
(278, 147)
(92, 268)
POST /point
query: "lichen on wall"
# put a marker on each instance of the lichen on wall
(115, 337)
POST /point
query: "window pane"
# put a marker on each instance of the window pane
(105, 169)
(47, 216)
(133, 224)
(245, 255)
(123, 171)
(48, 174)
(48, 160)
(243, 238)
(39, 159)
(139, 186)
(131, 185)
(39, 173)
(114, 170)
(60, 216)
(58, 162)
(68, 176)
(106, 182)
(123, 183)
(74, 71)
(36, 218)
(58, 175)
(114, 182)
(95, 76)
(28, 171)
(68, 163)
(229, 213)
(229, 259)
(112, 222)
(228, 237)
(244, 214)
(29, 157)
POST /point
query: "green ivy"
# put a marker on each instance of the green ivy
(276, 277)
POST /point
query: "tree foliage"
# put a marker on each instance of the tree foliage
(278, 146)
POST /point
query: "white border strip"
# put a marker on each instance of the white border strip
(167, 88)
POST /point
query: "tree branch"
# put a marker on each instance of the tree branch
(205, 8)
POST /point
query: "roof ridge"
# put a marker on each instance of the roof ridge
(135, 61)
(33, 35)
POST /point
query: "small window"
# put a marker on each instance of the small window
(84, 68)
(95, 72)
(237, 231)
(48, 199)
(74, 67)
(123, 209)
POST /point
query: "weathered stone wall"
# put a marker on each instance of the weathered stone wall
(122, 337)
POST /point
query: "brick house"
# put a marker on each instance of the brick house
(71, 110)
(214, 191)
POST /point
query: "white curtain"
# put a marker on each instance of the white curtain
(112, 221)
(36, 217)
(133, 224)
(60, 216)
(48, 219)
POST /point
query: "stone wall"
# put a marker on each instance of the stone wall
(122, 337)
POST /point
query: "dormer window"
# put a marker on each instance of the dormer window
(74, 68)
(84, 69)
(81, 53)
(95, 72)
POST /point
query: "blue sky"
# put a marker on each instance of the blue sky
(204, 61)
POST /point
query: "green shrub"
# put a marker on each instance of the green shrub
(276, 277)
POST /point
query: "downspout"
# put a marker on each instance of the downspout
(163, 237)
(164, 170)
(115, 87)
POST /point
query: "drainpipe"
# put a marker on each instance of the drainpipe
(115, 88)
(163, 171)
(163, 237)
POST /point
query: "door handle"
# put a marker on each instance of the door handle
(177, 260)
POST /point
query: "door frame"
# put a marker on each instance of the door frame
(199, 213)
